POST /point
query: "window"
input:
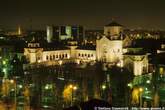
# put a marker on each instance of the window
(82, 55)
(53, 57)
(88, 55)
(50, 57)
(47, 58)
(62, 55)
(56, 56)
(79, 55)
(66, 55)
(91, 55)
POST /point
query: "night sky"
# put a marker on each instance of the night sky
(93, 14)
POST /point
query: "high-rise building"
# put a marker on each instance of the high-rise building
(59, 33)
(49, 32)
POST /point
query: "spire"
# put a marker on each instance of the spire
(19, 30)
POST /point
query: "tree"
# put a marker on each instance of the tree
(17, 66)
(119, 78)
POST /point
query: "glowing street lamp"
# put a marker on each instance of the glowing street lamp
(140, 89)
(73, 88)
(46, 87)
(12, 81)
(20, 86)
(4, 62)
(129, 85)
(148, 81)
(4, 70)
(103, 87)
(140, 92)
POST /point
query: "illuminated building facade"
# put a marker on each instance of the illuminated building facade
(109, 49)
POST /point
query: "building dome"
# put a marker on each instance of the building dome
(114, 23)
(113, 29)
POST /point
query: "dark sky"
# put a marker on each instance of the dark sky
(92, 14)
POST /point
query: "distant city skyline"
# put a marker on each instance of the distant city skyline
(37, 14)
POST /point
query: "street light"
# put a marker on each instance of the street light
(4, 62)
(20, 86)
(11, 81)
(130, 85)
(140, 91)
(73, 88)
(103, 92)
(103, 87)
(148, 81)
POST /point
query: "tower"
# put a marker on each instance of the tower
(110, 47)
(19, 30)
(49, 32)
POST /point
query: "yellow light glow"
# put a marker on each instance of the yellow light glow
(74, 88)
(161, 70)
(148, 81)
(140, 89)
(103, 87)
(60, 62)
(4, 62)
(71, 86)
(78, 61)
(11, 81)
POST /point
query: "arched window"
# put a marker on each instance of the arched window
(60, 56)
(53, 57)
(56, 56)
(66, 55)
(50, 57)
(47, 57)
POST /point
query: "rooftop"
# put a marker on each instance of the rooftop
(114, 23)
